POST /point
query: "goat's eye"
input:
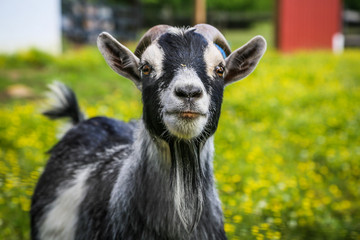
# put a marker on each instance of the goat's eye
(220, 71)
(146, 69)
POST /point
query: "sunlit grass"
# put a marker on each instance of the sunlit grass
(287, 158)
(288, 149)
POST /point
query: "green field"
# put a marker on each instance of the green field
(287, 158)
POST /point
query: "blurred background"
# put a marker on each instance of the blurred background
(287, 161)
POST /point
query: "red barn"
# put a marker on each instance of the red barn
(307, 24)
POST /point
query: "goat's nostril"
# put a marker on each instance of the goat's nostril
(188, 91)
(196, 93)
(181, 92)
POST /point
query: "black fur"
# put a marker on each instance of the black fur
(187, 49)
(82, 146)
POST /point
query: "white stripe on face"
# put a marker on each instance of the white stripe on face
(213, 58)
(154, 56)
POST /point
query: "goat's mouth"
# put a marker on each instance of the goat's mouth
(185, 124)
(187, 114)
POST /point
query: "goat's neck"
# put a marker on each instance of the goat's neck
(157, 186)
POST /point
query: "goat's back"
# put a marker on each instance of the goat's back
(75, 187)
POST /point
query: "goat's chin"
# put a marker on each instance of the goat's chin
(185, 127)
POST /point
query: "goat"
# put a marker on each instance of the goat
(151, 178)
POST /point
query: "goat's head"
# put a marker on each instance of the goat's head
(182, 74)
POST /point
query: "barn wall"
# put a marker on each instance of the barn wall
(307, 24)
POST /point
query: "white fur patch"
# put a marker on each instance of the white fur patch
(213, 58)
(60, 221)
(207, 151)
(154, 55)
(113, 150)
(180, 31)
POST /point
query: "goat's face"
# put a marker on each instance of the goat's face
(182, 74)
(178, 87)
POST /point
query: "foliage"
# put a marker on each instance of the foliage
(287, 148)
(243, 5)
(295, 171)
(185, 8)
(352, 4)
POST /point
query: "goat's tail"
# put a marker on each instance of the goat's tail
(63, 103)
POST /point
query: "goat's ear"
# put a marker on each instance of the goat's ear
(119, 58)
(243, 61)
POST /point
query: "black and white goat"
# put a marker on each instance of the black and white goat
(151, 179)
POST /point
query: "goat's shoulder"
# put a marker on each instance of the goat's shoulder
(99, 143)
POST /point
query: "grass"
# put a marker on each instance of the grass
(287, 148)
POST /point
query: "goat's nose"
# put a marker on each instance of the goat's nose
(188, 91)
